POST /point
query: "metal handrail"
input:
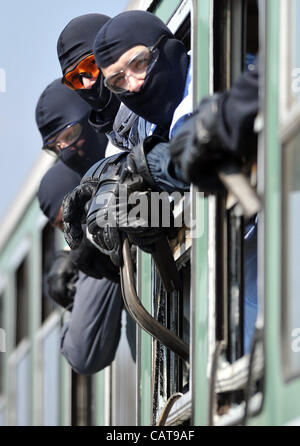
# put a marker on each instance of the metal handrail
(138, 312)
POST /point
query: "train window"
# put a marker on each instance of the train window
(22, 302)
(236, 270)
(49, 246)
(171, 374)
(235, 47)
(184, 33)
(291, 247)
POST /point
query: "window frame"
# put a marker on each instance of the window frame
(289, 125)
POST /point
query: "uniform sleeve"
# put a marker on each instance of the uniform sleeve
(166, 176)
(237, 111)
(238, 108)
(89, 340)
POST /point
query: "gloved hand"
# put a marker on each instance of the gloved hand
(74, 211)
(197, 148)
(88, 259)
(112, 214)
(75, 204)
(61, 279)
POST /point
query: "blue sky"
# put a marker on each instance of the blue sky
(28, 34)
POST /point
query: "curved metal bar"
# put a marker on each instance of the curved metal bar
(167, 408)
(141, 315)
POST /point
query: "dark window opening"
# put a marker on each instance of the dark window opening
(236, 44)
(173, 311)
(252, 41)
(184, 33)
(22, 302)
(49, 245)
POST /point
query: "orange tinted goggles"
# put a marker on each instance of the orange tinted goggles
(87, 67)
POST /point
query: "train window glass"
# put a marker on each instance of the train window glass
(295, 51)
(291, 248)
(22, 302)
(49, 245)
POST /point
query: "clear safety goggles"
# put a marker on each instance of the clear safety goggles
(66, 138)
(139, 66)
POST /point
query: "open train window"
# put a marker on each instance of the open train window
(235, 47)
(22, 302)
(170, 374)
(49, 248)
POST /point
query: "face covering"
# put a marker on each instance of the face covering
(163, 88)
(57, 182)
(57, 107)
(75, 41)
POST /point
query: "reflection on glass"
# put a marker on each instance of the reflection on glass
(295, 49)
(291, 297)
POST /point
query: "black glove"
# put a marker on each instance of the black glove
(61, 279)
(197, 148)
(74, 211)
(110, 211)
(76, 203)
(88, 259)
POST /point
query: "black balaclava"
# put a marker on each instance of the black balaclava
(163, 88)
(57, 107)
(75, 41)
(57, 182)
